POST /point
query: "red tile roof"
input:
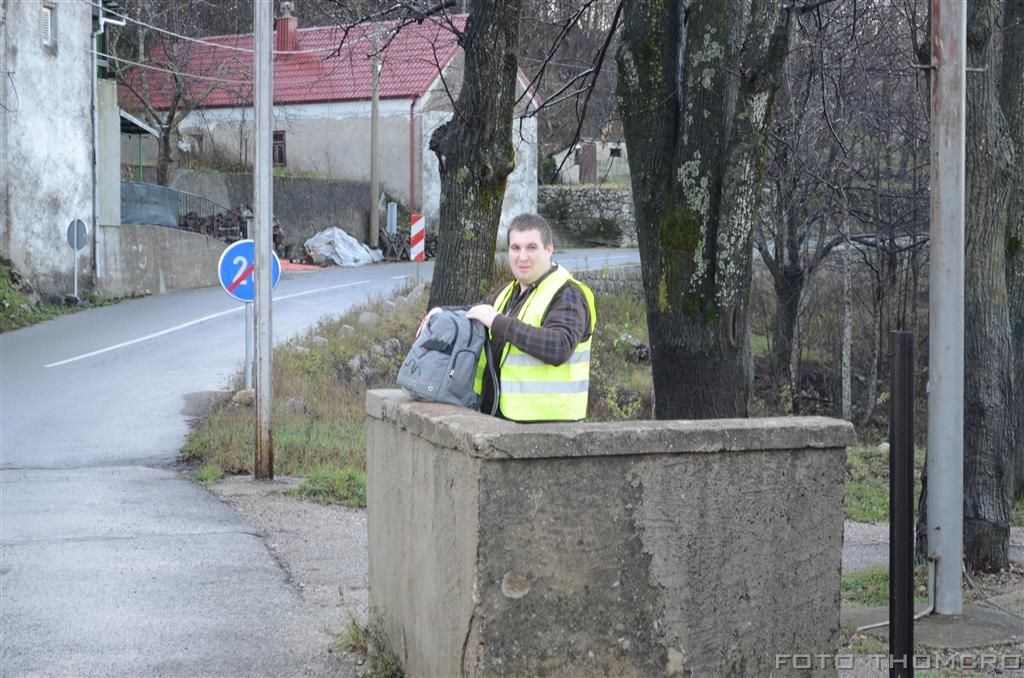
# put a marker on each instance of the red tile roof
(319, 71)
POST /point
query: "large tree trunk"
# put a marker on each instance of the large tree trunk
(988, 457)
(696, 86)
(1012, 102)
(476, 155)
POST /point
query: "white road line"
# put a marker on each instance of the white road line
(400, 277)
(195, 322)
(321, 289)
(145, 338)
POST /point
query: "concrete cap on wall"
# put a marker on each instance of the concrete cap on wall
(487, 437)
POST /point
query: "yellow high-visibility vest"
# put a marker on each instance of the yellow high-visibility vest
(532, 390)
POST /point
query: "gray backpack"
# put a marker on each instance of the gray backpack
(441, 364)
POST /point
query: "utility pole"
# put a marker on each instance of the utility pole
(374, 235)
(263, 201)
(945, 501)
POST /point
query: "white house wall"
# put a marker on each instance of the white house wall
(520, 191)
(46, 133)
(326, 139)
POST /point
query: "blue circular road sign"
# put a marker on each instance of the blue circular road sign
(235, 270)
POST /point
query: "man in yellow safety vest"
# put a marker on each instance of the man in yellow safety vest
(540, 327)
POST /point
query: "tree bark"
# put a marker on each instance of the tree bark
(988, 457)
(696, 86)
(1011, 98)
(476, 155)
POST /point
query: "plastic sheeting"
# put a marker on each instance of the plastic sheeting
(335, 246)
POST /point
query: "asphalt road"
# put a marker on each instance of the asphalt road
(110, 563)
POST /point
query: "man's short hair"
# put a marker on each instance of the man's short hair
(530, 222)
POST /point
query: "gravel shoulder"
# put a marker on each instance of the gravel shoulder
(321, 548)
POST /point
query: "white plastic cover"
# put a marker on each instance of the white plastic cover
(333, 245)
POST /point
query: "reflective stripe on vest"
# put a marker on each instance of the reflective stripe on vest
(532, 390)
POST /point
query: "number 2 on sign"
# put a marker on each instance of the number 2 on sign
(242, 264)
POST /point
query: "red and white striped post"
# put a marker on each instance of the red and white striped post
(416, 238)
(417, 242)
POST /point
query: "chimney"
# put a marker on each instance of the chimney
(287, 38)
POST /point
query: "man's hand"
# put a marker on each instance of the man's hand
(483, 312)
(426, 319)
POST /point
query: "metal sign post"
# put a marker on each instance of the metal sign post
(235, 271)
(77, 238)
(249, 322)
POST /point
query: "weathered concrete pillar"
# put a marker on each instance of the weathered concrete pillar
(702, 548)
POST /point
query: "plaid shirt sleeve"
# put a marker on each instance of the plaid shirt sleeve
(565, 325)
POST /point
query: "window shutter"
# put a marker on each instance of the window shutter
(45, 26)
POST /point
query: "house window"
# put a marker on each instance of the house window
(47, 25)
(280, 158)
(615, 152)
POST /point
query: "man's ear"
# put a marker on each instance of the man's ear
(550, 249)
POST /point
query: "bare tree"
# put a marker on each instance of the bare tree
(1012, 101)
(988, 385)
(150, 60)
(696, 83)
(475, 153)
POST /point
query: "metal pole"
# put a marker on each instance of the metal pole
(264, 208)
(946, 303)
(75, 226)
(374, 234)
(901, 506)
(248, 345)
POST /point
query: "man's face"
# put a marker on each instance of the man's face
(528, 256)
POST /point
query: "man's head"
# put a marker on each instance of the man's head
(529, 248)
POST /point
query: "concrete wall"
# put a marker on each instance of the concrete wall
(46, 133)
(638, 548)
(141, 259)
(109, 168)
(304, 207)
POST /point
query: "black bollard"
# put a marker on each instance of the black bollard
(901, 507)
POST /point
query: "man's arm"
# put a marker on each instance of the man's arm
(566, 323)
(437, 309)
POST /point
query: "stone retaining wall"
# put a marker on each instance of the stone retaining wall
(613, 280)
(588, 216)
(636, 548)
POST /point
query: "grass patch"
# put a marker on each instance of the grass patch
(320, 382)
(866, 491)
(855, 642)
(321, 379)
(354, 638)
(347, 486)
(870, 587)
(20, 307)
(208, 474)
(371, 645)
